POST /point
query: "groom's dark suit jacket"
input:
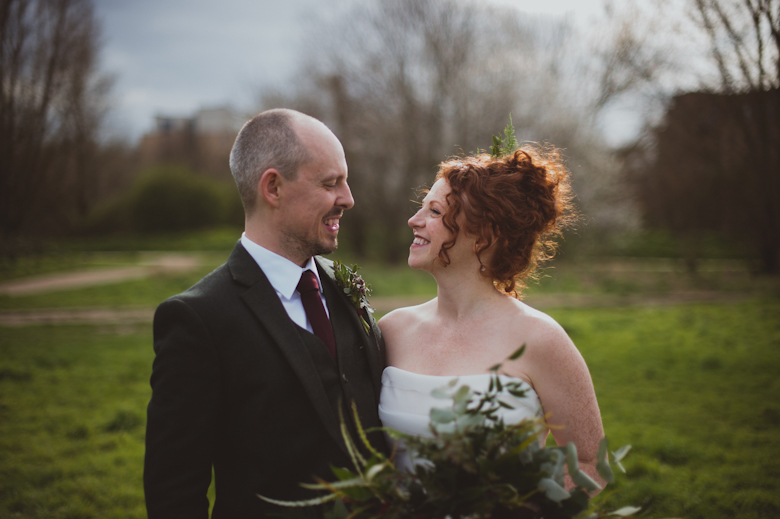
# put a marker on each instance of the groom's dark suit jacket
(237, 385)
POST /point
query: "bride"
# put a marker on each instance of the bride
(481, 230)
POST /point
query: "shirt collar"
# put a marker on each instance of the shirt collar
(282, 273)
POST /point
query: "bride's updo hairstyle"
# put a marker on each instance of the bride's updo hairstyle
(518, 204)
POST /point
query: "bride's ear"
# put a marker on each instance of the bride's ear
(484, 247)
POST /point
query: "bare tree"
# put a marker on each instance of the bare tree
(407, 83)
(744, 38)
(712, 165)
(51, 103)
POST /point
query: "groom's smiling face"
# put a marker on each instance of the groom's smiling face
(318, 196)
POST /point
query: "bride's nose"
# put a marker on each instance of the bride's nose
(416, 220)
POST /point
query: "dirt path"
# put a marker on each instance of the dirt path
(100, 276)
(173, 262)
(130, 315)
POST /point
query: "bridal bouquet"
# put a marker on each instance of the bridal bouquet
(473, 466)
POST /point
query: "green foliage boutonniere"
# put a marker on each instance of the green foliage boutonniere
(356, 289)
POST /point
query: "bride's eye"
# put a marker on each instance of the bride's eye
(435, 211)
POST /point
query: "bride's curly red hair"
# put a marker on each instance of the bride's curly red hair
(518, 204)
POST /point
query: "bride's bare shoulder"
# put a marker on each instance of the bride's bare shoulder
(402, 318)
(538, 326)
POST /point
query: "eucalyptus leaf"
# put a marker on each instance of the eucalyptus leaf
(442, 415)
(619, 454)
(602, 465)
(553, 490)
(463, 394)
(605, 471)
(469, 420)
(626, 511)
(583, 480)
(603, 446)
(496, 367)
(571, 458)
(460, 407)
(440, 392)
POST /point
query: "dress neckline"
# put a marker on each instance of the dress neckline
(447, 378)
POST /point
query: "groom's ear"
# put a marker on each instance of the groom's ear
(268, 186)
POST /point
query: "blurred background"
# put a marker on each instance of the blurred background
(117, 120)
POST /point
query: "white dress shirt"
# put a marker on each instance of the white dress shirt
(284, 276)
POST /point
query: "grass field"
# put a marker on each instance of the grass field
(693, 388)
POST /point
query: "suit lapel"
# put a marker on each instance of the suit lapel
(264, 303)
(346, 323)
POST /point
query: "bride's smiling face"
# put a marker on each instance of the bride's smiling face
(430, 232)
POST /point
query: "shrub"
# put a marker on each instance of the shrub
(170, 198)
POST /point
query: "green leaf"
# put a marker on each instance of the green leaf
(626, 511)
(440, 392)
(571, 458)
(495, 368)
(605, 471)
(373, 471)
(507, 144)
(583, 480)
(362, 433)
(342, 473)
(553, 490)
(349, 483)
(463, 395)
(354, 454)
(619, 454)
(602, 466)
(603, 446)
(296, 504)
(517, 353)
(440, 415)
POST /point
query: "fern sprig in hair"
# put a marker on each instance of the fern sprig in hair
(506, 144)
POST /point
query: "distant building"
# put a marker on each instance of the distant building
(202, 141)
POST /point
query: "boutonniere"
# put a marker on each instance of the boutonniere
(356, 289)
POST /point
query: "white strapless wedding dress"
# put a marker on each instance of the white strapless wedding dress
(405, 403)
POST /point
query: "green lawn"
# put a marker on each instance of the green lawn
(693, 388)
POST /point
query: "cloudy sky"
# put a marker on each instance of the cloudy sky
(174, 56)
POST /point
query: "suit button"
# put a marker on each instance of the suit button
(344, 377)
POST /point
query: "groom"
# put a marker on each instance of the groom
(253, 362)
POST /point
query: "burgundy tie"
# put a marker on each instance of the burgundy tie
(315, 311)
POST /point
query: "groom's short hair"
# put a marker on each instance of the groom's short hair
(268, 140)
